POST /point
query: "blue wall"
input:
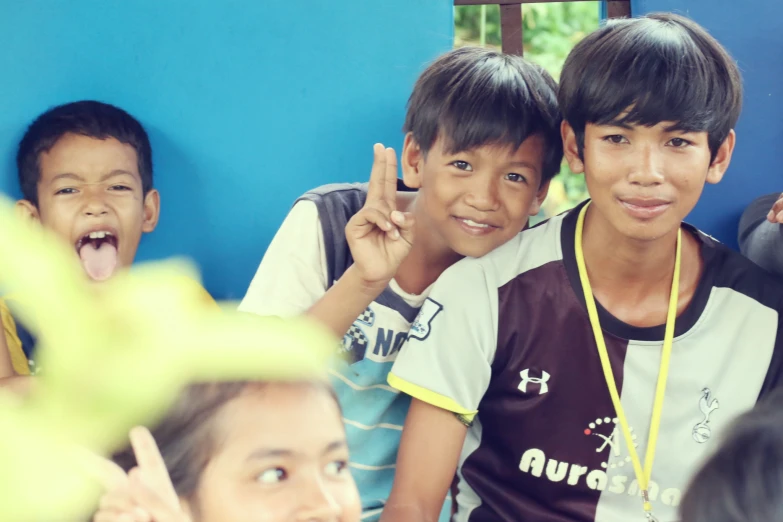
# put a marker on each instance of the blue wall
(248, 103)
(752, 31)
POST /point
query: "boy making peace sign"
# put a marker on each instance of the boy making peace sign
(482, 142)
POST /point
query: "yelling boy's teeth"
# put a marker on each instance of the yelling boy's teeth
(98, 252)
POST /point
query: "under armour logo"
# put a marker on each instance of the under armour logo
(542, 381)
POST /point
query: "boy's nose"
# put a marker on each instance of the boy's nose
(648, 171)
(483, 195)
(95, 206)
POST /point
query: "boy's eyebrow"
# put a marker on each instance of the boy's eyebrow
(67, 175)
(116, 172)
(617, 123)
(265, 453)
(524, 164)
(670, 128)
(678, 127)
(113, 173)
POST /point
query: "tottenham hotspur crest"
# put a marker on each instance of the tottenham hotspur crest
(421, 327)
(707, 404)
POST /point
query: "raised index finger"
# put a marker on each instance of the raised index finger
(375, 191)
(152, 465)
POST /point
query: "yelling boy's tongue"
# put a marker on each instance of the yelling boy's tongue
(99, 259)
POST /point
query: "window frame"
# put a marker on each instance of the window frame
(511, 17)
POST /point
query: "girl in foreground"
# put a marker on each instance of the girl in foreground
(238, 452)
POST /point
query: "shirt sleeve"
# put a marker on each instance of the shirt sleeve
(15, 349)
(292, 274)
(447, 358)
(760, 240)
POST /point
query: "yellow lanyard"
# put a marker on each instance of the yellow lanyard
(642, 475)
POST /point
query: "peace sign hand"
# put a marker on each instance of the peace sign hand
(379, 235)
(146, 494)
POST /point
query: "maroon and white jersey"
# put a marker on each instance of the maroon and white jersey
(505, 342)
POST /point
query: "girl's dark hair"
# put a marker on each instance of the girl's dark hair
(743, 480)
(186, 437)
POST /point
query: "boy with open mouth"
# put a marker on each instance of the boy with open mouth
(85, 171)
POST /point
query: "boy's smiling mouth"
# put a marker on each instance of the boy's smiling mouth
(98, 251)
(475, 227)
(645, 208)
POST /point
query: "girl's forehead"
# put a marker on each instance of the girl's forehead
(279, 416)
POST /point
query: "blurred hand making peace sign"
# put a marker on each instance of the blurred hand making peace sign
(146, 493)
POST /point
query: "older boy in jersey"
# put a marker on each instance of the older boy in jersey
(85, 171)
(482, 143)
(582, 371)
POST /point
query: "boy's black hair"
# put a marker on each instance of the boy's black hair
(659, 67)
(743, 480)
(87, 118)
(472, 97)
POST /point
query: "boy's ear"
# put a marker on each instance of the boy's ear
(412, 161)
(26, 210)
(722, 159)
(535, 206)
(151, 210)
(571, 149)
